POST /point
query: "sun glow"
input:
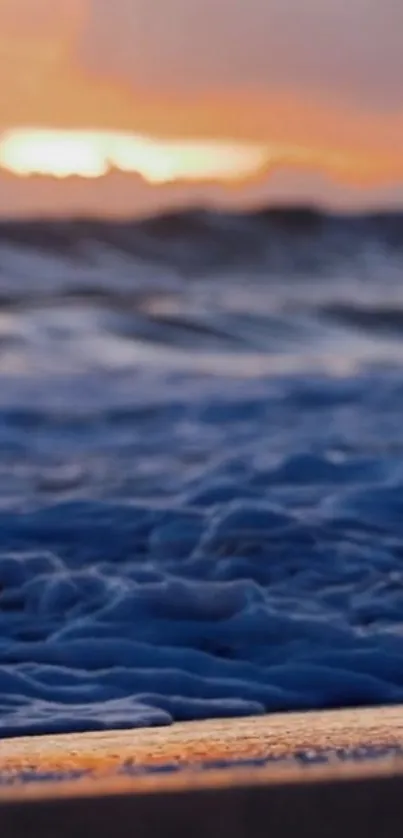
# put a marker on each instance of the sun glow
(91, 154)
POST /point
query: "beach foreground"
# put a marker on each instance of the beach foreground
(325, 772)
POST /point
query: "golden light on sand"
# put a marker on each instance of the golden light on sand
(91, 154)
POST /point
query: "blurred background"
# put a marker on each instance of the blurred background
(222, 142)
(123, 108)
(201, 322)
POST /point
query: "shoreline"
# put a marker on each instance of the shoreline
(363, 799)
(189, 746)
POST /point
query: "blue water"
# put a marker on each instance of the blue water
(201, 468)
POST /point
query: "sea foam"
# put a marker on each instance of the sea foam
(201, 477)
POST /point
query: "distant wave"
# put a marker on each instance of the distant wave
(377, 319)
(148, 281)
(203, 238)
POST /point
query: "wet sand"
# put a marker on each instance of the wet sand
(361, 798)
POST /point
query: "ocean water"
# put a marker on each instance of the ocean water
(201, 467)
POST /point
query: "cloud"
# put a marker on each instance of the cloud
(349, 49)
(40, 19)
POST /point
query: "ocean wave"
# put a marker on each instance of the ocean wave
(201, 467)
(219, 555)
(298, 238)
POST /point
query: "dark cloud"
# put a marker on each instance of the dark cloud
(346, 48)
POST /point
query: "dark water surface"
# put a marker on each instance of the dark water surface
(201, 467)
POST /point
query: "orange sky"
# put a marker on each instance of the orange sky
(321, 84)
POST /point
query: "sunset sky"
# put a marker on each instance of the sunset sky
(161, 101)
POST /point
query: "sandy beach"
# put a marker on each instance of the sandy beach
(318, 799)
(278, 735)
